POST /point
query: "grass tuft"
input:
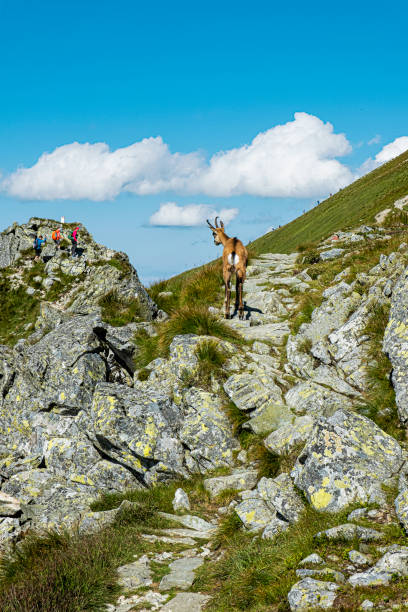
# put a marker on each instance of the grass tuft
(118, 311)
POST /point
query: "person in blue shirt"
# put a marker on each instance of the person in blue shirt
(38, 242)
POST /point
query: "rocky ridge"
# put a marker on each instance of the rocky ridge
(77, 421)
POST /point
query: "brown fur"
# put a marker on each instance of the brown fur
(232, 246)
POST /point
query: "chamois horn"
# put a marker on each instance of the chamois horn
(209, 225)
(216, 223)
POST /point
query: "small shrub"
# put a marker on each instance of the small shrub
(306, 246)
(237, 418)
(210, 361)
(118, 311)
(168, 303)
(203, 287)
(305, 346)
(310, 258)
(268, 463)
(147, 348)
(18, 309)
(143, 374)
(194, 320)
(305, 309)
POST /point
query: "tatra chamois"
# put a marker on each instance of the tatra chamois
(234, 259)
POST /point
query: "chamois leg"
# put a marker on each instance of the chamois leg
(227, 283)
(239, 289)
(236, 292)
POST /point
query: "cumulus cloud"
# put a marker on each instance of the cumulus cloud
(91, 171)
(170, 214)
(291, 160)
(297, 159)
(388, 152)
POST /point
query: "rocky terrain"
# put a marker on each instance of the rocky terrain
(316, 377)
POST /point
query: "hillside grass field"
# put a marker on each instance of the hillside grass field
(352, 206)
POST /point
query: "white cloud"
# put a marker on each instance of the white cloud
(297, 159)
(375, 140)
(388, 152)
(170, 214)
(91, 171)
(291, 160)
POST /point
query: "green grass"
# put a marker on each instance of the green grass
(380, 405)
(115, 262)
(210, 363)
(77, 573)
(356, 204)
(37, 269)
(63, 283)
(17, 310)
(256, 575)
(185, 320)
(204, 286)
(118, 311)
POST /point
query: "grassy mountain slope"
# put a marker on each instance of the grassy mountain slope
(358, 203)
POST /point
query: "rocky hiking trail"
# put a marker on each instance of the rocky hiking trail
(289, 457)
(310, 401)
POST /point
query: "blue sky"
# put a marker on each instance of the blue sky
(205, 78)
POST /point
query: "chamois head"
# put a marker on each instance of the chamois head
(217, 232)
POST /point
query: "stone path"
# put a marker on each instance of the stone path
(287, 402)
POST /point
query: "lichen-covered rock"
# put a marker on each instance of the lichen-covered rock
(396, 344)
(331, 254)
(347, 459)
(206, 431)
(136, 430)
(279, 493)
(251, 393)
(311, 398)
(255, 514)
(268, 418)
(271, 507)
(322, 572)
(311, 594)
(393, 563)
(349, 532)
(240, 481)
(283, 440)
(401, 508)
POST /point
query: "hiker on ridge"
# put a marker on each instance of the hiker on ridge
(38, 242)
(73, 236)
(57, 236)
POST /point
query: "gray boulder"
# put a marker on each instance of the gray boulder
(347, 459)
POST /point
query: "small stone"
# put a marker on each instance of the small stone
(242, 456)
(310, 593)
(331, 254)
(190, 521)
(359, 558)
(367, 605)
(348, 532)
(181, 501)
(333, 558)
(181, 574)
(370, 578)
(327, 572)
(186, 602)
(238, 482)
(261, 348)
(357, 514)
(30, 290)
(135, 575)
(313, 559)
